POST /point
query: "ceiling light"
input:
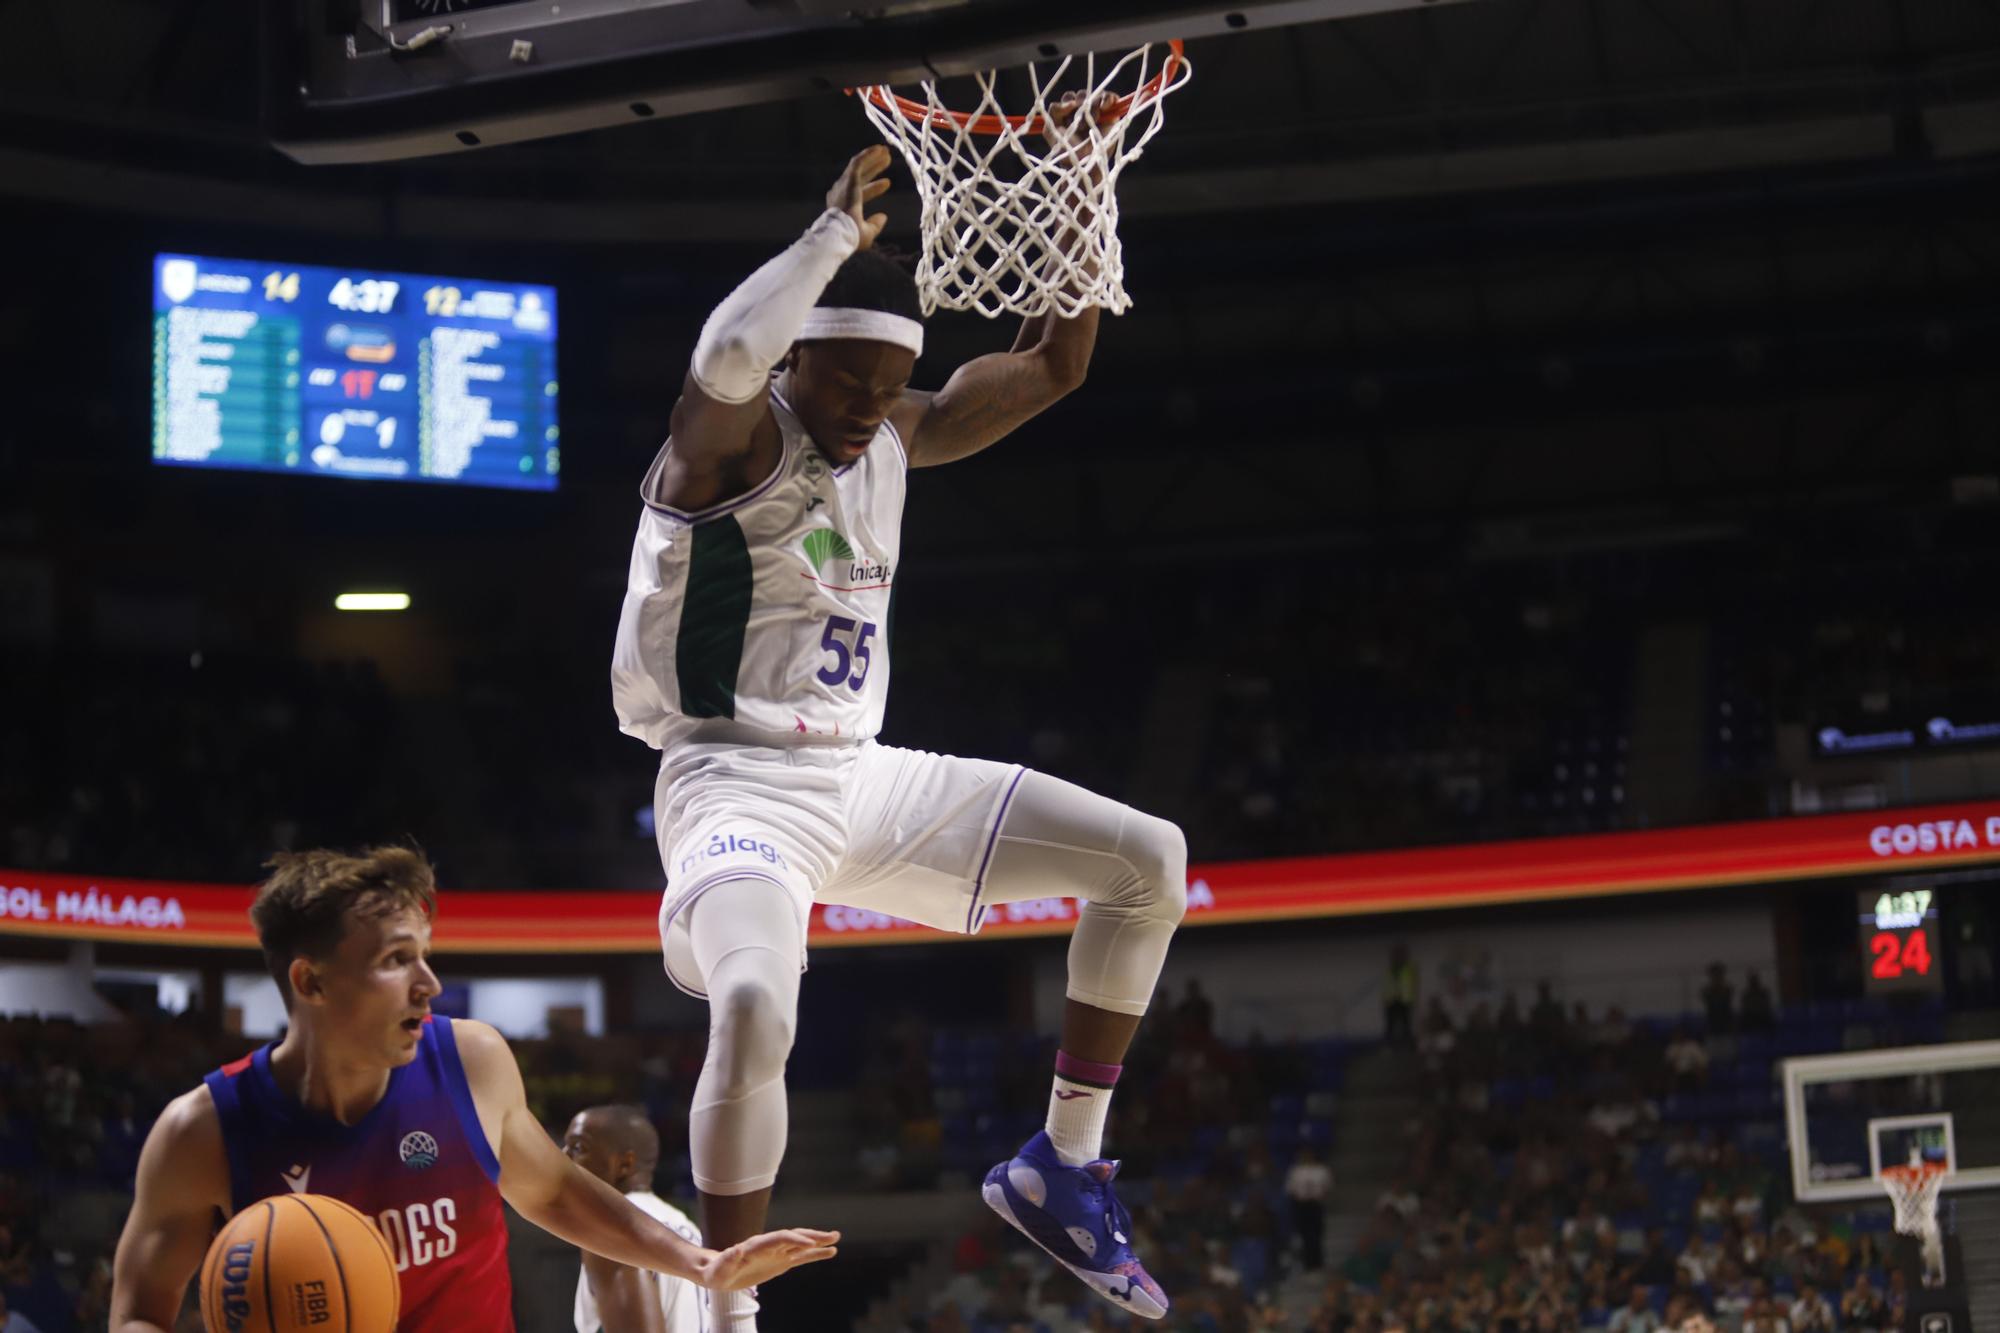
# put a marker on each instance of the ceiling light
(372, 601)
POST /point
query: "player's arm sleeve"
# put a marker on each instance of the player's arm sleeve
(723, 403)
(627, 1298)
(183, 1179)
(754, 327)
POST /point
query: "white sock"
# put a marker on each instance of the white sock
(732, 1311)
(1076, 1120)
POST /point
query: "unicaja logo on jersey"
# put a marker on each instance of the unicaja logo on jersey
(418, 1150)
(826, 547)
(835, 563)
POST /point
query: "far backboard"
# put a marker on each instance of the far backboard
(1849, 1115)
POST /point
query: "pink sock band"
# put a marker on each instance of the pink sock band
(1083, 1071)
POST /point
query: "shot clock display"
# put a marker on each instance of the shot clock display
(1899, 939)
(338, 373)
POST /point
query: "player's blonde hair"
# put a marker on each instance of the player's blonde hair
(302, 910)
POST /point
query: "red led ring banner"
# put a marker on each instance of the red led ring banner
(1585, 866)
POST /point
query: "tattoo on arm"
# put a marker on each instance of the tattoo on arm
(992, 396)
(986, 400)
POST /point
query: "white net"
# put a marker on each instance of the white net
(1020, 215)
(1914, 1191)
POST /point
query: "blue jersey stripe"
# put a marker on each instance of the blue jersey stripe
(461, 1099)
(235, 1138)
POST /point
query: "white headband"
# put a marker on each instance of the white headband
(874, 325)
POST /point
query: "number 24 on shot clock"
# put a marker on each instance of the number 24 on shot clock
(1899, 940)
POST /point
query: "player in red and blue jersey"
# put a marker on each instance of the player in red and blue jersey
(418, 1121)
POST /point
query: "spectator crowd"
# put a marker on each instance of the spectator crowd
(1564, 1172)
(1409, 699)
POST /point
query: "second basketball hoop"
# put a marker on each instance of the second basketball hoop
(1020, 214)
(1913, 1188)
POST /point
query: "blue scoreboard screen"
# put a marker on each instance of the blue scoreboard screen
(338, 373)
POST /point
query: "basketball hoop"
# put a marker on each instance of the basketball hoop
(1021, 215)
(1914, 1191)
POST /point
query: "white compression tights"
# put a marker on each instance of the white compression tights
(746, 943)
(1058, 840)
(1129, 868)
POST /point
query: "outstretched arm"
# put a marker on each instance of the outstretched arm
(723, 408)
(567, 1201)
(183, 1183)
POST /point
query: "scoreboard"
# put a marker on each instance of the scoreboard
(1899, 941)
(344, 373)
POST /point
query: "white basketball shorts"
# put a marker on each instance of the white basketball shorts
(904, 832)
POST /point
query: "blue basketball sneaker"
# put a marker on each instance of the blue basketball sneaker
(1071, 1212)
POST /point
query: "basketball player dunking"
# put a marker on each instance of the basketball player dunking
(752, 652)
(419, 1122)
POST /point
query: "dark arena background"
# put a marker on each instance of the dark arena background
(1536, 530)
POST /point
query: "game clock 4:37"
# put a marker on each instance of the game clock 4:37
(1899, 940)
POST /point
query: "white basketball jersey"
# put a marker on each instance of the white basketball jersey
(771, 609)
(680, 1300)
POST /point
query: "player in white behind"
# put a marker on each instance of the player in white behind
(619, 1146)
(752, 652)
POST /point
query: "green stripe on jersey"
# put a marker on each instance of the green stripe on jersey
(714, 615)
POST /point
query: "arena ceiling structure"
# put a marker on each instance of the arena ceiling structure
(1496, 256)
(1455, 98)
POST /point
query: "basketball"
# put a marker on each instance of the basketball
(299, 1261)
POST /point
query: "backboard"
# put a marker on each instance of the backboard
(380, 80)
(1849, 1115)
(1911, 1140)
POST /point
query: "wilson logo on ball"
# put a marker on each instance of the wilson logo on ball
(236, 1265)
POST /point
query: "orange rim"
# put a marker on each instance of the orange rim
(1907, 1183)
(889, 100)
